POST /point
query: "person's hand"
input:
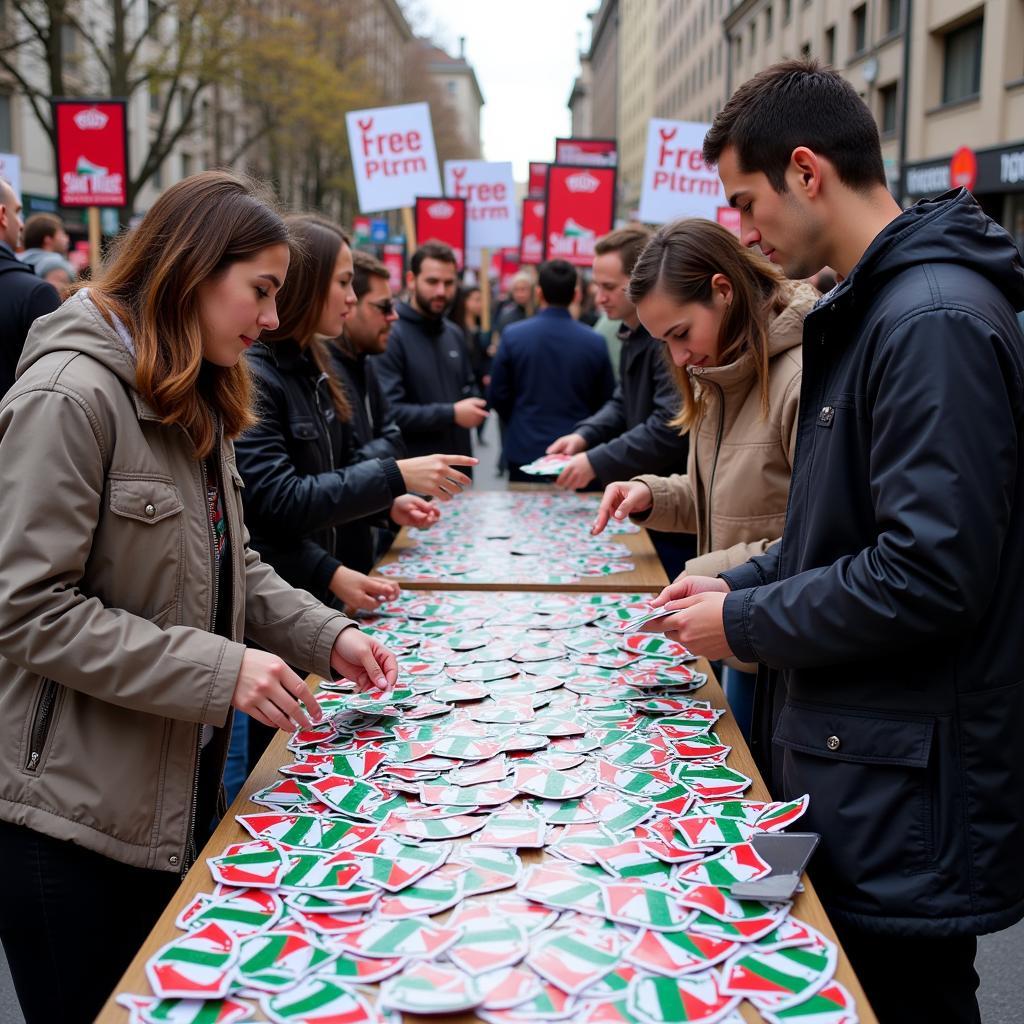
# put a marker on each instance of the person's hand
(686, 586)
(698, 625)
(622, 499)
(435, 475)
(410, 510)
(361, 592)
(470, 412)
(273, 694)
(567, 444)
(577, 473)
(367, 662)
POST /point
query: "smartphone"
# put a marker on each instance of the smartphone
(788, 854)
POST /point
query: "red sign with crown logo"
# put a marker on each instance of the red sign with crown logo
(92, 152)
(441, 219)
(579, 210)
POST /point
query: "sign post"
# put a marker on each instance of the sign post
(92, 160)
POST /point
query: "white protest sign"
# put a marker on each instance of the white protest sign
(677, 182)
(10, 171)
(393, 156)
(491, 215)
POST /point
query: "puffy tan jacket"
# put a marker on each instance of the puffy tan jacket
(734, 492)
(108, 664)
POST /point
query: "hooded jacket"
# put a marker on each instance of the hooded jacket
(890, 613)
(423, 372)
(108, 662)
(23, 298)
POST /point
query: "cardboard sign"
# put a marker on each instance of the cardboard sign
(92, 152)
(393, 257)
(677, 182)
(10, 171)
(442, 220)
(587, 152)
(489, 193)
(580, 209)
(537, 183)
(393, 156)
(531, 239)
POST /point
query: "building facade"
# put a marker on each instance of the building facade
(604, 70)
(637, 79)
(459, 87)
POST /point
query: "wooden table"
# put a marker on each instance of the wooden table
(647, 578)
(807, 906)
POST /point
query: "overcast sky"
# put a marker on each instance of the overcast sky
(525, 57)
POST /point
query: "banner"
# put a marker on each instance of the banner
(531, 239)
(508, 269)
(587, 152)
(537, 183)
(443, 220)
(677, 182)
(490, 201)
(10, 171)
(393, 257)
(580, 209)
(393, 156)
(92, 152)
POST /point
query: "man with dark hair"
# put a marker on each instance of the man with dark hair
(629, 434)
(550, 371)
(425, 370)
(23, 296)
(889, 616)
(44, 233)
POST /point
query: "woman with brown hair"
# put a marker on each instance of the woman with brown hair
(733, 328)
(129, 588)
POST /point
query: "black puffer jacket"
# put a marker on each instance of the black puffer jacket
(308, 511)
(374, 430)
(891, 610)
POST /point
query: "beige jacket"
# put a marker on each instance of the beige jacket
(108, 666)
(733, 495)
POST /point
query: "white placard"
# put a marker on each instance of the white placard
(491, 216)
(677, 182)
(10, 170)
(393, 156)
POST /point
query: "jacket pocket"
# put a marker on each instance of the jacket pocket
(40, 728)
(148, 501)
(872, 794)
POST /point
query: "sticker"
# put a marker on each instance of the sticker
(198, 965)
(431, 988)
(677, 953)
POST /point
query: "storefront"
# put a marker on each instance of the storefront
(995, 176)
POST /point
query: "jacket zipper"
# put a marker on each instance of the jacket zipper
(714, 464)
(41, 724)
(323, 379)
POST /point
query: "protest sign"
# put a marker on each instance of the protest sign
(393, 156)
(489, 193)
(443, 220)
(10, 171)
(677, 182)
(531, 239)
(580, 209)
(587, 152)
(92, 152)
(537, 183)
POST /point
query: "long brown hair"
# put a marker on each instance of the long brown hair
(315, 244)
(195, 230)
(680, 260)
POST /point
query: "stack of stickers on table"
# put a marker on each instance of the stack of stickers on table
(514, 538)
(384, 873)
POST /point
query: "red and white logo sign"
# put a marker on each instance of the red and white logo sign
(393, 257)
(443, 220)
(489, 193)
(587, 152)
(677, 182)
(963, 169)
(580, 209)
(537, 184)
(531, 241)
(92, 159)
(393, 156)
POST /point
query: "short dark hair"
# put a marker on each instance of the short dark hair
(558, 280)
(432, 251)
(628, 242)
(365, 266)
(798, 103)
(39, 227)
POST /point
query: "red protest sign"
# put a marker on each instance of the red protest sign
(92, 152)
(537, 183)
(729, 218)
(587, 152)
(443, 220)
(580, 209)
(531, 238)
(393, 257)
(509, 269)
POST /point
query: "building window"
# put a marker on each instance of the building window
(893, 16)
(186, 165)
(753, 38)
(961, 66)
(887, 99)
(6, 142)
(805, 51)
(830, 45)
(768, 19)
(787, 11)
(859, 28)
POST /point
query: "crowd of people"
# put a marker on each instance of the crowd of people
(205, 450)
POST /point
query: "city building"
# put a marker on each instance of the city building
(604, 70)
(580, 101)
(460, 89)
(637, 78)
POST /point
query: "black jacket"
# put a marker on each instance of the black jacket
(891, 612)
(424, 371)
(375, 433)
(299, 486)
(23, 299)
(630, 434)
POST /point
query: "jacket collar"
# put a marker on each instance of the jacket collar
(627, 334)
(432, 326)
(554, 312)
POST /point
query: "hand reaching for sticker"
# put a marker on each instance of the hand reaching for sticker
(367, 662)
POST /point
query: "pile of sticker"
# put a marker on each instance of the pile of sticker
(383, 874)
(514, 537)
(546, 465)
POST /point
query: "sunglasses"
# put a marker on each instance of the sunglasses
(386, 306)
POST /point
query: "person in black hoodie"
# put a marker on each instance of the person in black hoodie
(889, 615)
(425, 371)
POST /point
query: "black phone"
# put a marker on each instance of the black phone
(788, 854)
